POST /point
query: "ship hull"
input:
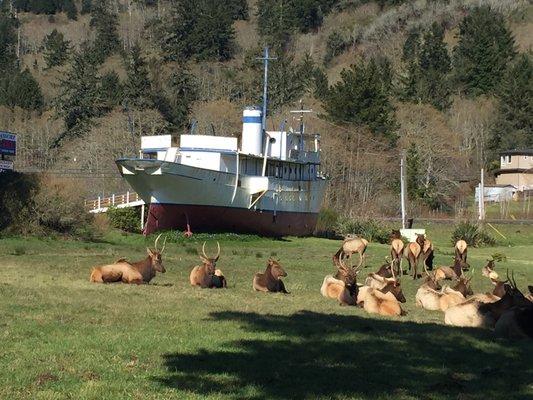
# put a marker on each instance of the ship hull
(229, 219)
(215, 201)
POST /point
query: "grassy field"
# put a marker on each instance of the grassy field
(64, 338)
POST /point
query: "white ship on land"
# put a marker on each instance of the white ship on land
(272, 185)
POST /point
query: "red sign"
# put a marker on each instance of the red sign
(8, 143)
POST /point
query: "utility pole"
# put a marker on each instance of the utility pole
(265, 60)
(482, 196)
(403, 194)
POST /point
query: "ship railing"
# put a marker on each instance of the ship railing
(102, 204)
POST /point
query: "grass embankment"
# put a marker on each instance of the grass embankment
(63, 337)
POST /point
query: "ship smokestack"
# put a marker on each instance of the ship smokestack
(251, 131)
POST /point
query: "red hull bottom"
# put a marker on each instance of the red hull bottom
(227, 219)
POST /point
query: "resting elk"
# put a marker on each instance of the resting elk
(205, 275)
(351, 246)
(461, 250)
(342, 286)
(474, 313)
(453, 272)
(384, 301)
(270, 280)
(136, 272)
(516, 323)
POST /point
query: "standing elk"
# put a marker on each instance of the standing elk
(205, 275)
(413, 250)
(476, 314)
(461, 250)
(136, 272)
(427, 253)
(396, 251)
(270, 280)
(342, 286)
(351, 246)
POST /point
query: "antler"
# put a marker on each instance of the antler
(203, 251)
(157, 240)
(218, 250)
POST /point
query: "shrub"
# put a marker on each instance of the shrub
(127, 219)
(369, 229)
(472, 234)
(327, 223)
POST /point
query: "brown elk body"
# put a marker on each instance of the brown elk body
(448, 273)
(270, 280)
(131, 272)
(205, 275)
(413, 252)
(343, 286)
(396, 251)
(473, 313)
(461, 250)
(516, 323)
(428, 295)
(385, 301)
(351, 246)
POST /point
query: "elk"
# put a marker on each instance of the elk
(384, 301)
(137, 272)
(205, 275)
(413, 251)
(461, 250)
(473, 313)
(343, 286)
(351, 246)
(396, 251)
(456, 295)
(516, 323)
(270, 280)
(427, 253)
(428, 295)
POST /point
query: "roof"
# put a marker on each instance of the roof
(513, 171)
(524, 152)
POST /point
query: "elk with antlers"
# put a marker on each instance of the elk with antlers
(351, 246)
(342, 286)
(131, 272)
(474, 313)
(206, 275)
(383, 301)
(270, 280)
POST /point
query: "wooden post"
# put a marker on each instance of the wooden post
(127, 197)
(402, 188)
(99, 202)
(482, 197)
(142, 217)
(113, 199)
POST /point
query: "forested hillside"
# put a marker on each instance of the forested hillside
(450, 82)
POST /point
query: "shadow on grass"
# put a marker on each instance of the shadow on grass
(313, 355)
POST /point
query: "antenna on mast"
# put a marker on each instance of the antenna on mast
(265, 60)
(301, 111)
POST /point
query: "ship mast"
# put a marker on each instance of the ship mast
(265, 60)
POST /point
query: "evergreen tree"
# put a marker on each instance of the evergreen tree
(86, 6)
(361, 98)
(180, 94)
(413, 172)
(21, 90)
(111, 90)
(514, 126)
(137, 88)
(105, 21)
(56, 49)
(79, 99)
(201, 29)
(8, 41)
(275, 22)
(321, 84)
(485, 48)
(70, 9)
(426, 78)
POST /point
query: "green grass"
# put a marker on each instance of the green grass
(63, 337)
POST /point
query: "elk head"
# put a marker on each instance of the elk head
(430, 279)
(346, 274)
(420, 239)
(489, 272)
(386, 269)
(514, 294)
(155, 255)
(395, 234)
(395, 288)
(276, 269)
(463, 285)
(210, 263)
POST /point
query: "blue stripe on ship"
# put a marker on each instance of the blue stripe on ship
(251, 120)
